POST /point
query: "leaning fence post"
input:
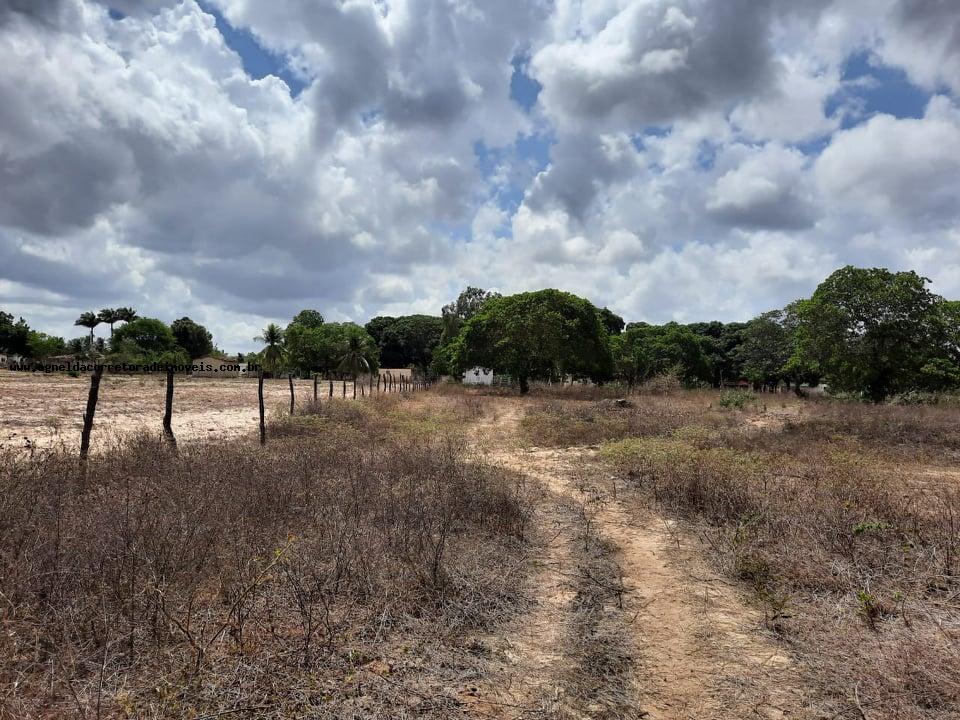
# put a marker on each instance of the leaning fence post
(290, 378)
(92, 397)
(168, 411)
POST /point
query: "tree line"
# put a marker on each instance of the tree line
(139, 341)
(864, 331)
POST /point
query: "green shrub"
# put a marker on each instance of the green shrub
(737, 399)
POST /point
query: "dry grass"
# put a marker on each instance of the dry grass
(564, 423)
(326, 575)
(918, 429)
(810, 505)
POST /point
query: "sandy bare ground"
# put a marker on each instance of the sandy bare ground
(42, 411)
(675, 641)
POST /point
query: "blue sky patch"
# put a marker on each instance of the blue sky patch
(524, 90)
(258, 62)
(879, 89)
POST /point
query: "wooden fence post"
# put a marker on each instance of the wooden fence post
(168, 411)
(315, 379)
(344, 389)
(331, 388)
(92, 397)
(290, 378)
(354, 387)
(263, 424)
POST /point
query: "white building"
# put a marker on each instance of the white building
(478, 376)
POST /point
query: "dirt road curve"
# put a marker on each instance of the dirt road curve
(628, 622)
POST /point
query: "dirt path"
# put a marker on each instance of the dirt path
(629, 622)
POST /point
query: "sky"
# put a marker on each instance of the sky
(236, 161)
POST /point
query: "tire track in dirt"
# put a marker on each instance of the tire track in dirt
(697, 648)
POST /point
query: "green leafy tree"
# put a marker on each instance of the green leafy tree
(534, 335)
(613, 322)
(321, 349)
(941, 369)
(869, 330)
(467, 304)
(77, 346)
(767, 346)
(146, 341)
(407, 341)
(631, 362)
(376, 328)
(148, 334)
(721, 343)
(41, 346)
(646, 351)
(308, 318)
(453, 317)
(194, 338)
(14, 336)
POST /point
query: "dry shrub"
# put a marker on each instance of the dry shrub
(861, 571)
(666, 384)
(555, 423)
(914, 428)
(578, 391)
(162, 585)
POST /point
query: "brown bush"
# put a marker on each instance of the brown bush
(559, 423)
(163, 585)
(917, 427)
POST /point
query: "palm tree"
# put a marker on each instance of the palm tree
(109, 316)
(273, 354)
(126, 314)
(354, 361)
(272, 360)
(88, 320)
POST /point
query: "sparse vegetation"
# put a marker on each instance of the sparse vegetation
(836, 537)
(351, 566)
(227, 576)
(736, 399)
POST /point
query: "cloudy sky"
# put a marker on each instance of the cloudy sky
(239, 160)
